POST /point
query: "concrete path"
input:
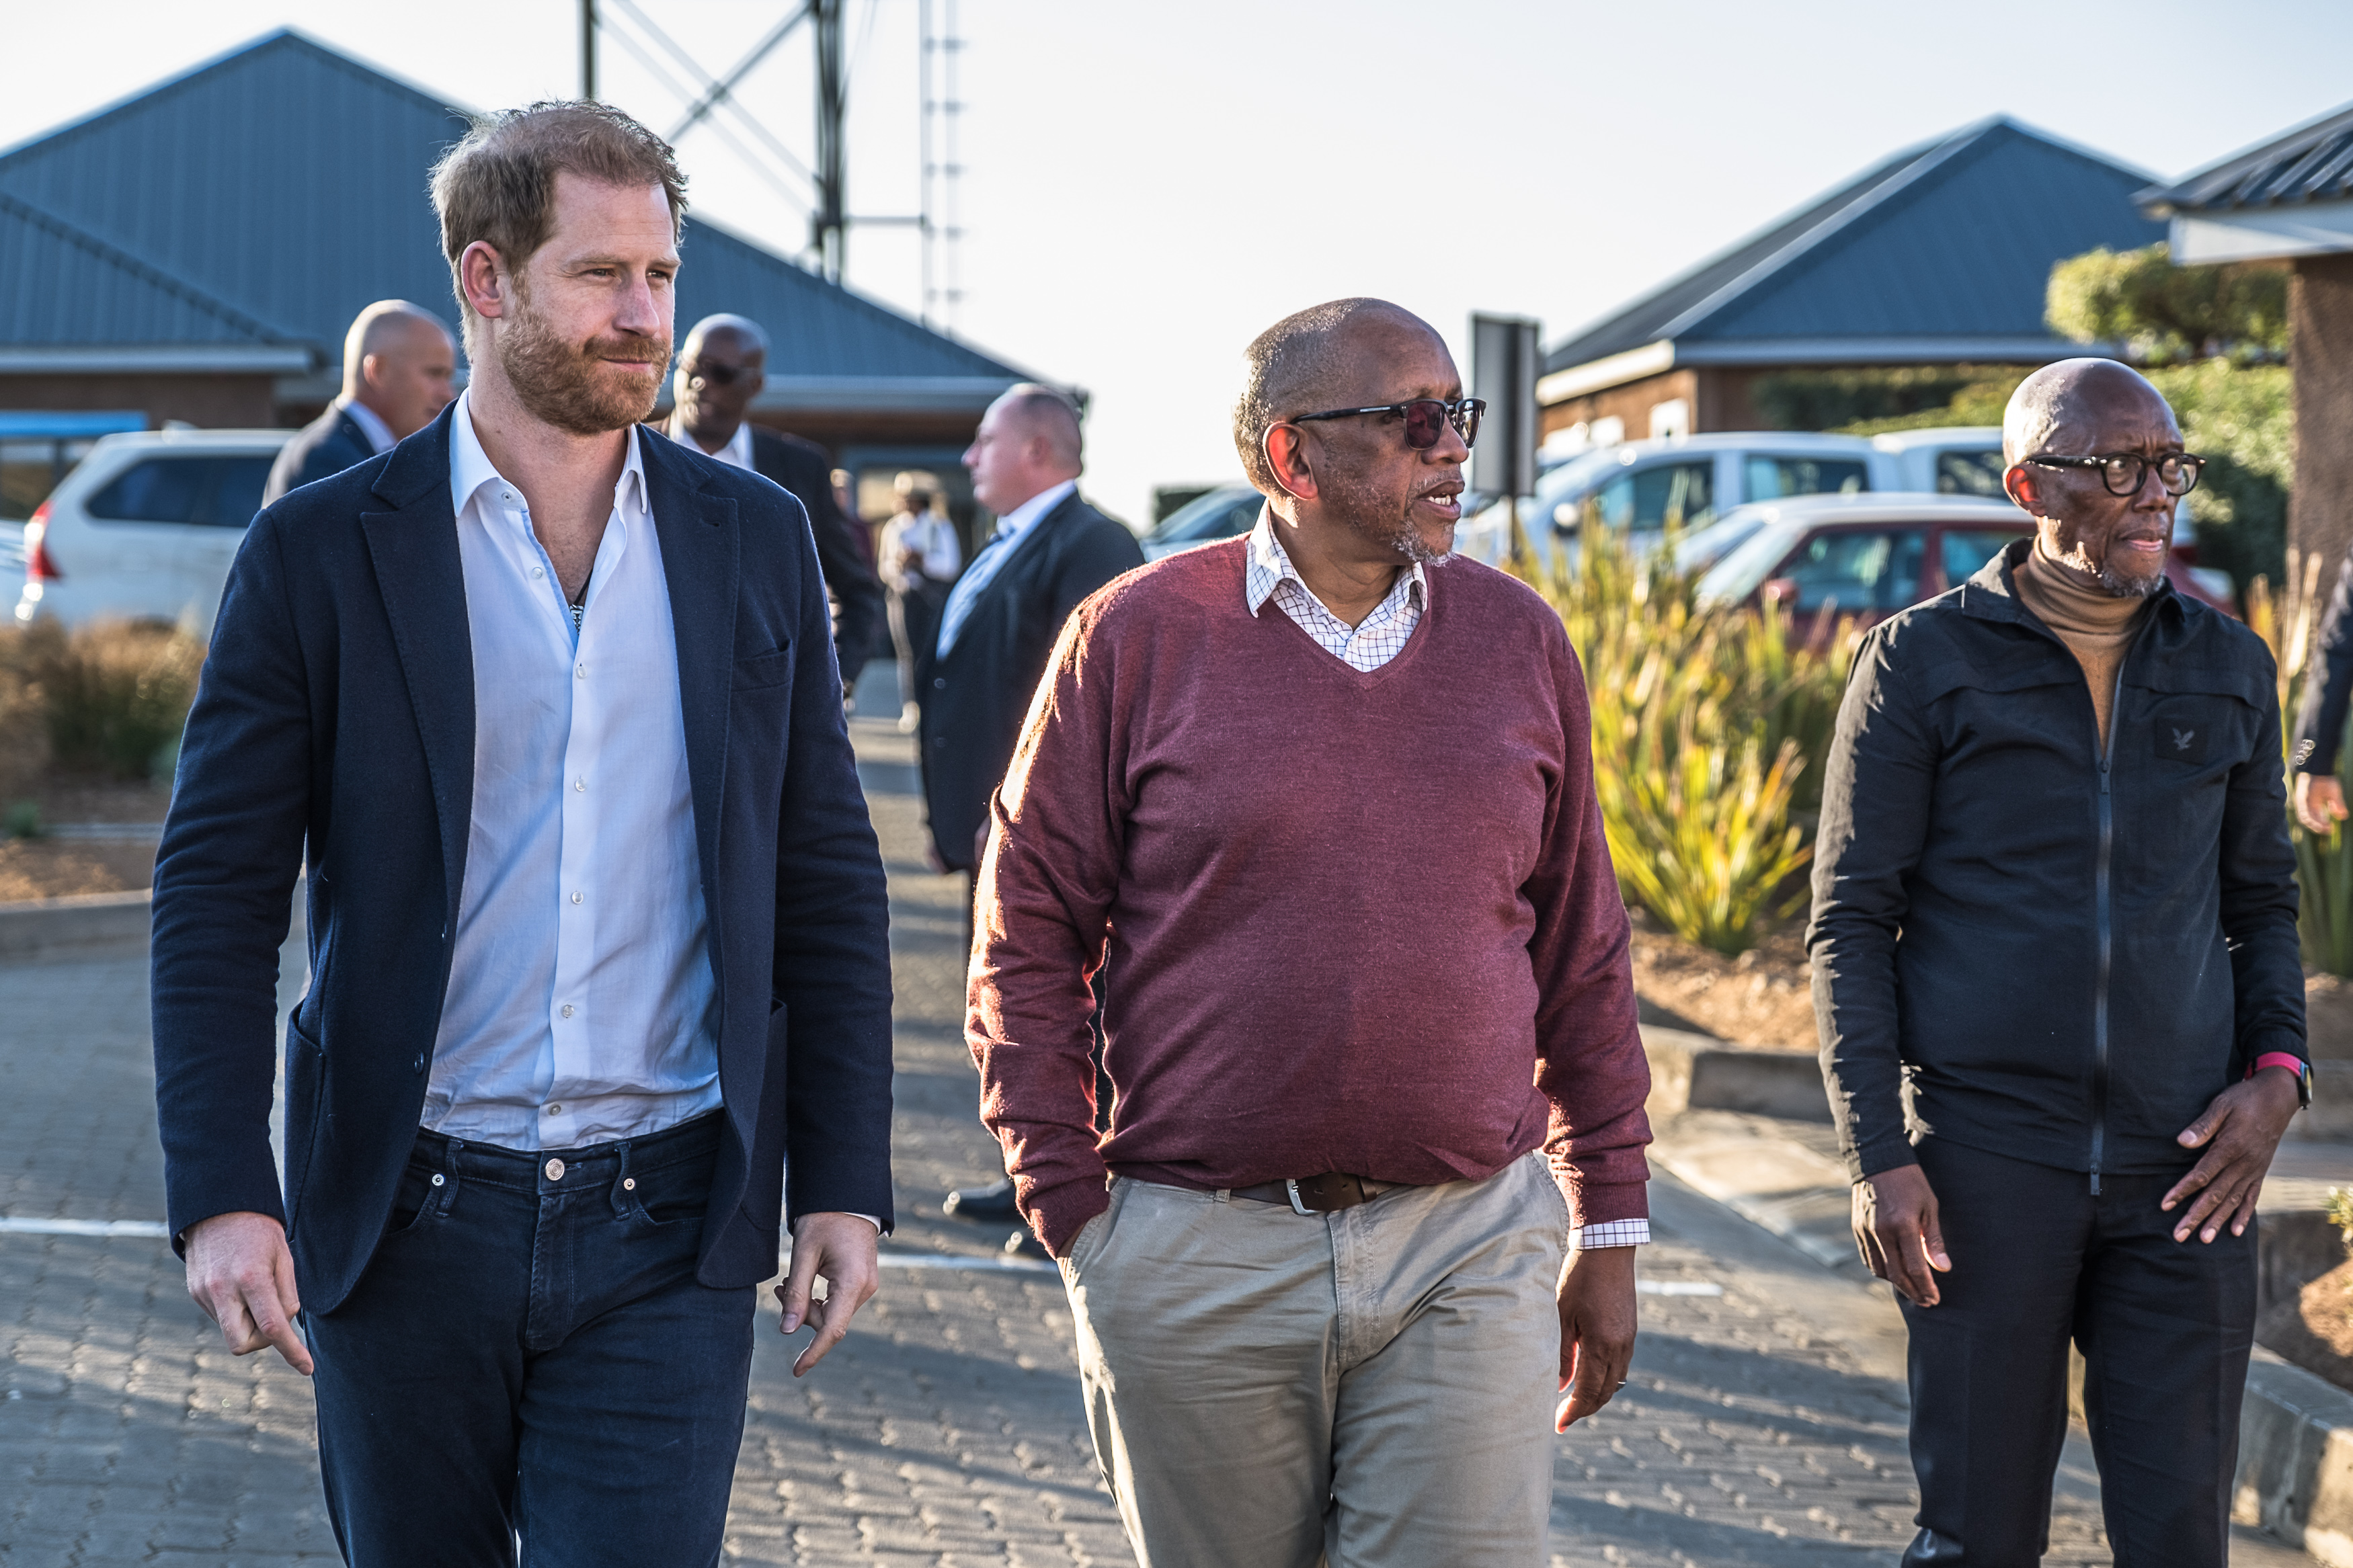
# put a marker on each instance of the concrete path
(1764, 1425)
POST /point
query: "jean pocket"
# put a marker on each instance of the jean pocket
(666, 1199)
(422, 1197)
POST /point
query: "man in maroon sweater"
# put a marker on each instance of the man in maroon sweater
(1321, 799)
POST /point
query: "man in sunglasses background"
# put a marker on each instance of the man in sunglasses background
(2054, 911)
(1321, 802)
(721, 369)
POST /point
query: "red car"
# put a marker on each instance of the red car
(1871, 555)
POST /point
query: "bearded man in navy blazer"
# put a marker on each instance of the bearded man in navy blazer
(548, 706)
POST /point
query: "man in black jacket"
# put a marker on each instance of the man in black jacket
(721, 369)
(1050, 550)
(2054, 901)
(2320, 718)
(399, 362)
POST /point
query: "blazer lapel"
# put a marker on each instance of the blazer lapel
(414, 547)
(699, 550)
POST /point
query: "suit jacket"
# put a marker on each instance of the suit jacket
(334, 723)
(803, 467)
(328, 444)
(974, 700)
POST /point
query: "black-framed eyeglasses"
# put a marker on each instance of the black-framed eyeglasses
(716, 374)
(2125, 472)
(1424, 418)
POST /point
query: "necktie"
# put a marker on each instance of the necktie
(967, 589)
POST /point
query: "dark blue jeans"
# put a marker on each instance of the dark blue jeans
(529, 1355)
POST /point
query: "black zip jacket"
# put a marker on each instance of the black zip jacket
(2067, 953)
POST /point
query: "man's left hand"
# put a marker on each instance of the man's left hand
(841, 1249)
(2239, 1132)
(1596, 1329)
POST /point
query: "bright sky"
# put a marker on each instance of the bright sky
(1149, 187)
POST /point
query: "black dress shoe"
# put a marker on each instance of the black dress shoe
(1022, 1244)
(991, 1205)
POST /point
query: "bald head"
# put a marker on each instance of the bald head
(1027, 442)
(400, 362)
(1319, 358)
(2075, 407)
(1043, 414)
(739, 332)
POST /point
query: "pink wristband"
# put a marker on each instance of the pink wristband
(2277, 1059)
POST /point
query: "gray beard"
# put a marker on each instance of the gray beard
(2124, 587)
(1408, 543)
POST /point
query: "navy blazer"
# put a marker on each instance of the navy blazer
(334, 725)
(328, 444)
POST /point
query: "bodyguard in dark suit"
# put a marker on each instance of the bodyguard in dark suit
(1050, 550)
(545, 704)
(721, 369)
(398, 366)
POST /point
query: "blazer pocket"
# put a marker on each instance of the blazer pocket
(763, 669)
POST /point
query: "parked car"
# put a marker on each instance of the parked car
(1222, 513)
(11, 548)
(1872, 555)
(146, 526)
(1643, 488)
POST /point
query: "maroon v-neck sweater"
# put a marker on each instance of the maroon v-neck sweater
(1354, 922)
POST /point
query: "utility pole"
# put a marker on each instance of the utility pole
(941, 219)
(828, 223)
(589, 48)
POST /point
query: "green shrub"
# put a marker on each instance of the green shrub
(2164, 314)
(2243, 418)
(1709, 727)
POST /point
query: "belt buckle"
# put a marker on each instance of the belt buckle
(1290, 1185)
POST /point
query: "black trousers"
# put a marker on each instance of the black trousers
(530, 1356)
(2165, 1328)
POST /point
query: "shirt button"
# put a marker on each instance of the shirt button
(579, 783)
(555, 1110)
(554, 1169)
(567, 1009)
(575, 898)
(579, 672)
(538, 571)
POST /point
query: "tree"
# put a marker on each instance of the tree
(2164, 314)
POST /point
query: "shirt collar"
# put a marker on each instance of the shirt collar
(1269, 566)
(471, 468)
(1022, 517)
(371, 423)
(737, 453)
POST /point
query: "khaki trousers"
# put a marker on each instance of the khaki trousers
(1371, 1387)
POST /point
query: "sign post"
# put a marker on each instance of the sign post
(1503, 363)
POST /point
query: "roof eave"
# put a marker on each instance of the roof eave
(155, 359)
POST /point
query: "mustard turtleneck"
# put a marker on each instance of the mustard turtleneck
(2096, 625)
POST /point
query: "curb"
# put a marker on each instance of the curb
(46, 926)
(2295, 1460)
(1698, 1072)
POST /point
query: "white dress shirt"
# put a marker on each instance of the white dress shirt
(581, 1006)
(737, 454)
(926, 543)
(1012, 529)
(371, 423)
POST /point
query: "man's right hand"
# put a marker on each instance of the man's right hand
(1897, 1231)
(2319, 802)
(242, 1275)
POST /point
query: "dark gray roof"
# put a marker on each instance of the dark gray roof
(1942, 251)
(266, 196)
(2313, 163)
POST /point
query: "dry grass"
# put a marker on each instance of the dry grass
(48, 869)
(107, 699)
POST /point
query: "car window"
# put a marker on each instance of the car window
(205, 491)
(1965, 550)
(1220, 514)
(1671, 495)
(1856, 570)
(1769, 478)
(1970, 474)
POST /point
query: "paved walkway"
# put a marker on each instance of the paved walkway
(1764, 1425)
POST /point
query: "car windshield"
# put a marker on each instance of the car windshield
(1703, 548)
(1220, 514)
(1742, 571)
(1770, 478)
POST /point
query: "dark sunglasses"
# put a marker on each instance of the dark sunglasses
(715, 374)
(2125, 472)
(1424, 418)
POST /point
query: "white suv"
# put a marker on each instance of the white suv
(145, 527)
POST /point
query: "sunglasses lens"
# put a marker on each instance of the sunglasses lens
(1424, 418)
(715, 374)
(1466, 422)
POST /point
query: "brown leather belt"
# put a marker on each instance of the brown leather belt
(1327, 1193)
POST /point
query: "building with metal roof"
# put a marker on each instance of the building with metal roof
(2290, 200)
(1939, 255)
(197, 250)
